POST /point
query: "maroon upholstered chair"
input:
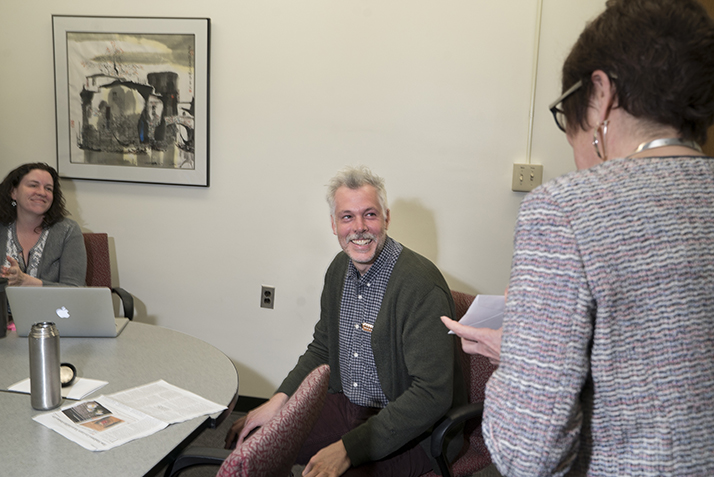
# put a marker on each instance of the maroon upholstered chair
(272, 449)
(477, 370)
(99, 270)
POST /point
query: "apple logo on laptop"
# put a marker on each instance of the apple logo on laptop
(62, 312)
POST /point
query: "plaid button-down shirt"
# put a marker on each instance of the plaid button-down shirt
(361, 300)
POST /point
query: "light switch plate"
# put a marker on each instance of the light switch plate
(527, 177)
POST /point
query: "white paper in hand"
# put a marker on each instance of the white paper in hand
(486, 311)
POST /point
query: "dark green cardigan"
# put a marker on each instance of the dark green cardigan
(415, 357)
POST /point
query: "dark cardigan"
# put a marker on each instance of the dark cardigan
(415, 357)
(64, 259)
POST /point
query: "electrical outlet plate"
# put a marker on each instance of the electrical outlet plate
(527, 177)
(267, 297)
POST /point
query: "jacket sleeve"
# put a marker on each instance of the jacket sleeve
(317, 354)
(318, 351)
(67, 257)
(533, 417)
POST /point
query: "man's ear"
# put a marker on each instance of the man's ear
(332, 222)
(387, 218)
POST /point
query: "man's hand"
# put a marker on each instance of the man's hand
(255, 418)
(484, 341)
(331, 461)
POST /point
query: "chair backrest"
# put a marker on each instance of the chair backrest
(272, 449)
(477, 370)
(99, 272)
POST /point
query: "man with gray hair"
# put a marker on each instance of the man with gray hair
(394, 371)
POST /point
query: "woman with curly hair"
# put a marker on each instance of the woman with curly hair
(41, 246)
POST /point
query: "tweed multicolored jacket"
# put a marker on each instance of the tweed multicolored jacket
(608, 340)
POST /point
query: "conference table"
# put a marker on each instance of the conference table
(141, 354)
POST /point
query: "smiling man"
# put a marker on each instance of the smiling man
(360, 221)
(394, 372)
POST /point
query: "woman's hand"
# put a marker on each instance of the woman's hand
(484, 341)
(16, 277)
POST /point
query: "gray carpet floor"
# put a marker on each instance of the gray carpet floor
(215, 438)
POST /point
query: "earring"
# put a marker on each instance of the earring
(13, 203)
(596, 141)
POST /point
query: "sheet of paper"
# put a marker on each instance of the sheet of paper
(80, 389)
(109, 421)
(486, 311)
(167, 402)
(100, 424)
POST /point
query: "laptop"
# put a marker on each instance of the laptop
(76, 311)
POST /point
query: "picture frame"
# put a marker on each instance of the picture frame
(132, 98)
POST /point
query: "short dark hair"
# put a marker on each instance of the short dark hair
(659, 55)
(8, 213)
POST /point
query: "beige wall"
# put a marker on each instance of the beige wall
(434, 96)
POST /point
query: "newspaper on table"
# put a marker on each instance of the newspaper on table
(486, 311)
(110, 421)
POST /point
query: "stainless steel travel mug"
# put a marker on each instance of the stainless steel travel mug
(45, 386)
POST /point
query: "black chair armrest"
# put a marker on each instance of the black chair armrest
(452, 418)
(197, 456)
(127, 302)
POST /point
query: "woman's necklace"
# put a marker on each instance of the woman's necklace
(663, 142)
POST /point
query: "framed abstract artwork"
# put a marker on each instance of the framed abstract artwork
(132, 98)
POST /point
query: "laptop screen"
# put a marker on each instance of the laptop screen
(76, 311)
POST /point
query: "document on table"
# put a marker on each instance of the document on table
(100, 424)
(166, 402)
(81, 388)
(110, 421)
(486, 311)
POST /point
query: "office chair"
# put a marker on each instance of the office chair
(273, 448)
(477, 370)
(99, 271)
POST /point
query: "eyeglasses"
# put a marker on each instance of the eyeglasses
(558, 113)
